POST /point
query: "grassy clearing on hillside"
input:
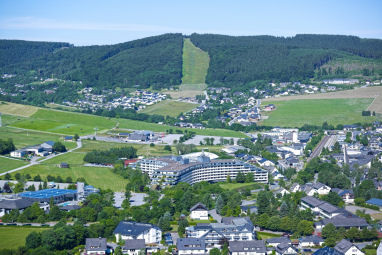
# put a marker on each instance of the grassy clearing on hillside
(17, 109)
(100, 177)
(70, 123)
(9, 164)
(231, 186)
(187, 90)
(265, 235)
(195, 63)
(13, 237)
(169, 107)
(295, 113)
(22, 138)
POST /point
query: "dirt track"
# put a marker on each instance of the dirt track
(369, 92)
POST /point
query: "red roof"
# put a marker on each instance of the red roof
(129, 161)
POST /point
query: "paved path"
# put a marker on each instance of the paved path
(215, 215)
(35, 162)
(317, 151)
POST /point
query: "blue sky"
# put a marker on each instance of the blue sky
(111, 21)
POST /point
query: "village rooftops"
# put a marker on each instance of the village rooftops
(18, 203)
(135, 244)
(130, 228)
(257, 246)
(95, 244)
(191, 244)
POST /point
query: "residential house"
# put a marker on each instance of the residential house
(295, 187)
(95, 246)
(319, 207)
(278, 240)
(191, 246)
(134, 246)
(199, 212)
(343, 221)
(254, 247)
(311, 241)
(286, 249)
(347, 195)
(134, 230)
(347, 248)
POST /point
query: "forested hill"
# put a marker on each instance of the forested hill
(243, 59)
(155, 61)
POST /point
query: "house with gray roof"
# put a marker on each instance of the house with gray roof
(311, 241)
(319, 207)
(347, 248)
(278, 240)
(95, 246)
(254, 247)
(134, 246)
(343, 221)
(286, 249)
(135, 230)
(199, 212)
(9, 204)
(191, 246)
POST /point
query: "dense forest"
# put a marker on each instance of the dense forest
(244, 59)
(153, 61)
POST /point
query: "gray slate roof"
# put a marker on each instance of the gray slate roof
(134, 244)
(199, 207)
(283, 247)
(279, 240)
(133, 229)
(20, 203)
(343, 246)
(311, 201)
(346, 222)
(95, 244)
(311, 239)
(191, 244)
(257, 246)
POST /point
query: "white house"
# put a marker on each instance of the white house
(254, 247)
(199, 212)
(311, 241)
(347, 248)
(134, 230)
(95, 246)
(191, 246)
(134, 246)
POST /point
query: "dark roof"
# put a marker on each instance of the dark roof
(311, 201)
(343, 246)
(283, 247)
(134, 229)
(375, 201)
(257, 246)
(282, 239)
(51, 143)
(327, 251)
(191, 244)
(329, 208)
(199, 207)
(312, 239)
(95, 244)
(134, 244)
(20, 203)
(342, 221)
(69, 208)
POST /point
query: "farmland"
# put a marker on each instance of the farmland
(169, 108)
(17, 109)
(99, 177)
(195, 64)
(69, 123)
(9, 164)
(13, 237)
(295, 113)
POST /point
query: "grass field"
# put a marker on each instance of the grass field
(195, 63)
(9, 164)
(169, 107)
(265, 235)
(231, 186)
(22, 138)
(186, 90)
(295, 113)
(69, 123)
(99, 177)
(17, 109)
(13, 237)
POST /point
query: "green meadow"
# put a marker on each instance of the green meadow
(13, 237)
(195, 63)
(9, 164)
(169, 108)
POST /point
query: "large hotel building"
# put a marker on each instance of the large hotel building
(171, 170)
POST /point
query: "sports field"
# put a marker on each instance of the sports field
(69, 123)
(169, 108)
(100, 177)
(9, 164)
(295, 113)
(195, 63)
(17, 109)
(13, 237)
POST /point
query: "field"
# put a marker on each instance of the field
(195, 64)
(9, 164)
(13, 237)
(17, 109)
(69, 123)
(265, 235)
(295, 113)
(99, 177)
(232, 186)
(169, 107)
(186, 90)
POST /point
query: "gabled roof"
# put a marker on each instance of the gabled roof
(133, 229)
(95, 244)
(283, 247)
(329, 208)
(199, 207)
(257, 246)
(343, 246)
(134, 244)
(311, 239)
(279, 240)
(191, 244)
(327, 251)
(311, 201)
(346, 222)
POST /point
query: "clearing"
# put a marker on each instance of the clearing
(13, 237)
(100, 177)
(17, 109)
(7, 164)
(265, 235)
(232, 186)
(187, 90)
(169, 108)
(296, 113)
(195, 64)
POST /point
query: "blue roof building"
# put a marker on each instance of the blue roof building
(375, 201)
(58, 195)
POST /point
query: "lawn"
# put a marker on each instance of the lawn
(17, 109)
(9, 164)
(13, 237)
(99, 177)
(69, 123)
(170, 108)
(265, 235)
(22, 138)
(195, 63)
(295, 113)
(232, 186)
